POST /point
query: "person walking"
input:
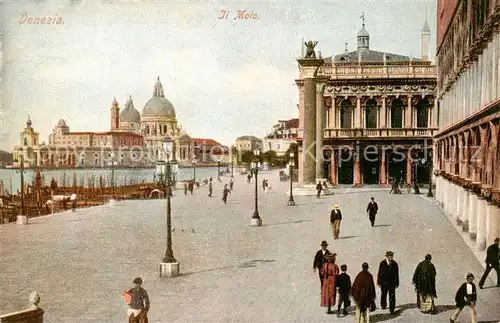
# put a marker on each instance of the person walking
(330, 272)
(231, 185)
(372, 210)
(424, 279)
(319, 260)
(363, 293)
(491, 263)
(138, 302)
(319, 188)
(185, 188)
(225, 193)
(191, 187)
(466, 296)
(73, 202)
(335, 218)
(344, 286)
(210, 188)
(388, 281)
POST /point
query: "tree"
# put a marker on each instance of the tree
(235, 154)
(247, 157)
(270, 157)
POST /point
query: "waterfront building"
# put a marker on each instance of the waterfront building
(366, 100)
(208, 150)
(467, 148)
(248, 143)
(134, 139)
(282, 135)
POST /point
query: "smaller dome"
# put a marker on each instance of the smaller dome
(363, 33)
(61, 123)
(130, 114)
(426, 28)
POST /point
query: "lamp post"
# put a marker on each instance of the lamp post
(232, 166)
(194, 170)
(218, 169)
(22, 171)
(431, 166)
(256, 221)
(169, 267)
(291, 201)
(416, 189)
(112, 161)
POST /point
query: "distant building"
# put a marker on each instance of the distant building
(208, 150)
(248, 143)
(281, 137)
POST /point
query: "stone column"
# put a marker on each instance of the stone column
(357, 169)
(446, 196)
(458, 202)
(464, 217)
(382, 177)
(309, 68)
(455, 202)
(333, 167)
(408, 112)
(492, 223)
(481, 223)
(333, 115)
(439, 190)
(408, 168)
(320, 107)
(383, 114)
(357, 113)
(473, 205)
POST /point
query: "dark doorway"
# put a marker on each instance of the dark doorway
(397, 166)
(346, 167)
(370, 169)
(326, 164)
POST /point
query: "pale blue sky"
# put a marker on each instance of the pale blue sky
(224, 78)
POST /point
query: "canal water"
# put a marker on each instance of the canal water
(85, 177)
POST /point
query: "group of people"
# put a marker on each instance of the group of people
(336, 216)
(334, 280)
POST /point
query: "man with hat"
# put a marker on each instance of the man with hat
(388, 281)
(372, 210)
(492, 262)
(320, 259)
(139, 303)
(335, 218)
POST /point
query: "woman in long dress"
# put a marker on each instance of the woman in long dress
(330, 272)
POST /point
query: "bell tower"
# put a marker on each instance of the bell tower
(425, 40)
(115, 115)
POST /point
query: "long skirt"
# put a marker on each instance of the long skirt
(426, 304)
(362, 317)
(141, 318)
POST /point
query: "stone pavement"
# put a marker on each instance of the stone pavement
(81, 262)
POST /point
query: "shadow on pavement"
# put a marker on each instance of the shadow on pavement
(348, 237)
(247, 264)
(381, 317)
(282, 223)
(381, 225)
(444, 308)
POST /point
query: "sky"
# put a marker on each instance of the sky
(225, 77)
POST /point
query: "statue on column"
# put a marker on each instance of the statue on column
(310, 49)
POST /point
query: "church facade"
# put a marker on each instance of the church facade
(133, 140)
(366, 116)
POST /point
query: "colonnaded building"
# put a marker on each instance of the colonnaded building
(468, 151)
(364, 98)
(134, 139)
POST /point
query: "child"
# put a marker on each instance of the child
(344, 285)
(466, 296)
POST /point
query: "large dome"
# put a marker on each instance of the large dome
(158, 105)
(130, 114)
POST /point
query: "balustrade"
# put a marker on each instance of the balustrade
(379, 132)
(351, 71)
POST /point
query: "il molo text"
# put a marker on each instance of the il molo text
(41, 20)
(240, 15)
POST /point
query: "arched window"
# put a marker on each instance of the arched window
(346, 114)
(26, 141)
(147, 130)
(371, 114)
(397, 114)
(422, 113)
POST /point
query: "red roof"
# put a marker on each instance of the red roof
(206, 142)
(291, 124)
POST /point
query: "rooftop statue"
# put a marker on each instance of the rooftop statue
(310, 49)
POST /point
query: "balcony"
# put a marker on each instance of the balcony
(352, 71)
(380, 133)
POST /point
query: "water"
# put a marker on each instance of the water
(65, 177)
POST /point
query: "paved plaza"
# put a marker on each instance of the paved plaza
(81, 262)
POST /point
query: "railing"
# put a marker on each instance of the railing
(380, 132)
(34, 314)
(377, 71)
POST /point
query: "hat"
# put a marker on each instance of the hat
(330, 255)
(336, 206)
(324, 243)
(137, 280)
(469, 275)
(389, 253)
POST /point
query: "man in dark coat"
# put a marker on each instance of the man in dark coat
(372, 210)
(319, 188)
(491, 263)
(210, 188)
(424, 279)
(363, 293)
(388, 281)
(320, 259)
(466, 296)
(344, 286)
(139, 305)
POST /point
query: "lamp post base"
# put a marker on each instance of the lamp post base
(256, 222)
(429, 194)
(112, 202)
(22, 219)
(169, 270)
(291, 202)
